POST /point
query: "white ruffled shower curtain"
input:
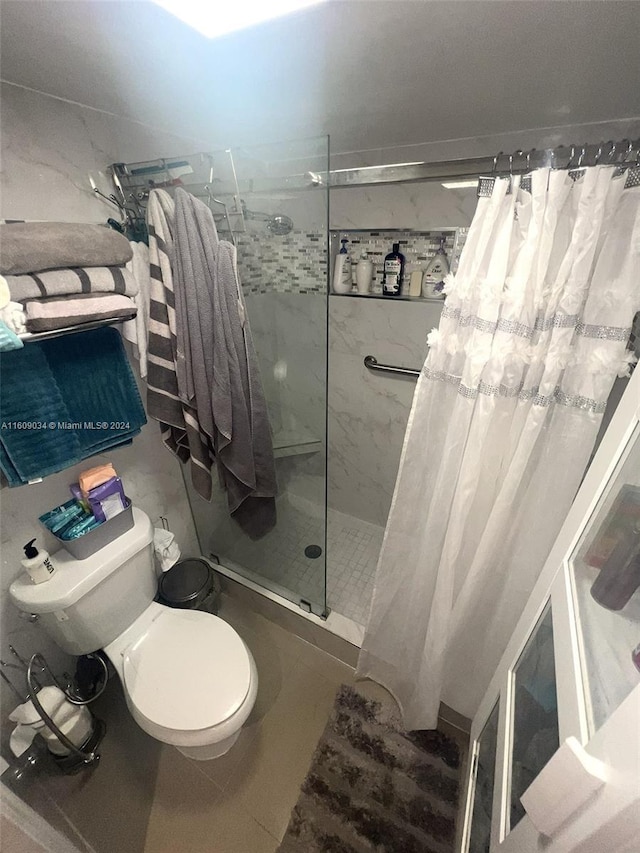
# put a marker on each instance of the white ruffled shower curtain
(504, 418)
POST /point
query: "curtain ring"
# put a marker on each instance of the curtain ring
(628, 151)
(571, 156)
(519, 153)
(581, 157)
(495, 162)
(598, 154)
(624, 142)
(612, 152)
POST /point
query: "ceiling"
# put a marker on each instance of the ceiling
(371, 73)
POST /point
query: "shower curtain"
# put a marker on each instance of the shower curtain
(505, 414)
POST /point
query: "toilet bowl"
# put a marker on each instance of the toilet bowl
(188, 677)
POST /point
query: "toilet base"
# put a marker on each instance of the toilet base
(209, 750)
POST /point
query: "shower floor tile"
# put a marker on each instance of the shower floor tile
(353, 547)
(352, 551)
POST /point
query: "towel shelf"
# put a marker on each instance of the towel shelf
(372, 364)
(27, 337)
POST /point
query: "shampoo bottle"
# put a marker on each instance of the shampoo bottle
(37, 563)
(393, 271)
(342, 276)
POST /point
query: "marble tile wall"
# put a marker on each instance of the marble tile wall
(49, 148)
(368, 411)
(290, 336)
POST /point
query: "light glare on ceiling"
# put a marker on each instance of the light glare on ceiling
(217, 19)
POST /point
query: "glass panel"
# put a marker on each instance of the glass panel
(605, 569)
(282, 262)
(480, 835)
(535, 735)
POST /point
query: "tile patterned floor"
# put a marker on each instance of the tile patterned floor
(241, 803)
(353, 547)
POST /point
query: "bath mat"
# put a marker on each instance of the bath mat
(374, 788)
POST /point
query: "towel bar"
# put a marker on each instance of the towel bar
(70, 330)
(372, 364)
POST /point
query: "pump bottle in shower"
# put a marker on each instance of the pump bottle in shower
(342, 274)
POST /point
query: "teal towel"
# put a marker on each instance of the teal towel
(78, 396)
(8, 339)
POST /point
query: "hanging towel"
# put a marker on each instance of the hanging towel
(217, 366)
(58, 312)
(69, 281)
(136, 331)
(27, 247)
(179, 425)
(77, 393)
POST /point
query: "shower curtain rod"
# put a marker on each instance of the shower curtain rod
(624, 153)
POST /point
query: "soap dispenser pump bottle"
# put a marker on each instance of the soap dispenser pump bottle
(37, 563)
(435, 273)
(392, 272)
(342, 274)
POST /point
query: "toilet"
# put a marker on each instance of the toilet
(188, 677)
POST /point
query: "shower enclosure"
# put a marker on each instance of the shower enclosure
(337, 417)
(274, 202)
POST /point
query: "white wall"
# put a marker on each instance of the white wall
(49, 148)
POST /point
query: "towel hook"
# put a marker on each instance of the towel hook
(126, 213)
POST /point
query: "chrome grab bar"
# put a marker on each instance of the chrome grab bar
(372, 364)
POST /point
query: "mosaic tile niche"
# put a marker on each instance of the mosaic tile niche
(297, 262)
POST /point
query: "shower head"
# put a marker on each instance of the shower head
(279, 224)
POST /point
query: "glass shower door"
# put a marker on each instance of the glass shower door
(275, 201)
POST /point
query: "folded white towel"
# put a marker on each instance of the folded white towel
(137, 330)
(5, 296)
(13, 316)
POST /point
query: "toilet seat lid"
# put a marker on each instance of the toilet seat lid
(187, 671)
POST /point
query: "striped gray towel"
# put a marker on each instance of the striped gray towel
(58, 312)
(179, 423)
(64, 282)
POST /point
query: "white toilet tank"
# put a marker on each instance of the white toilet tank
(87, 603)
